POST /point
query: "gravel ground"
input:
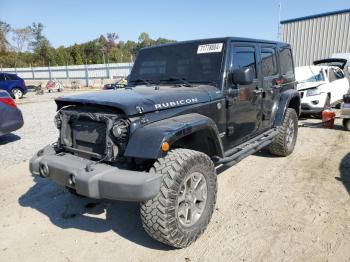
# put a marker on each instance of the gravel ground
(268, 209)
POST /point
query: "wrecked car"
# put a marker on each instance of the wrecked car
(188, 108)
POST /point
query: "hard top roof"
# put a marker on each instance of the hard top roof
(222, 39)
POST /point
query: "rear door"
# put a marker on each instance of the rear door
(270, 76)
(244, 118)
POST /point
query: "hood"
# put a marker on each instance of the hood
(143, 99)
(308, 85)
(339, 62)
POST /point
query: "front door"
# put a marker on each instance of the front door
(244, 101)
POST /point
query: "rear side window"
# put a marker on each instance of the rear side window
(335, 74)
(2, 77)
(244, 57)
(268, 62)
(286, 61)
(12, 77)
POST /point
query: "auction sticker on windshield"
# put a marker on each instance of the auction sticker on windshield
(209, 48)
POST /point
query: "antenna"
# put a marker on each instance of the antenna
(279, 21)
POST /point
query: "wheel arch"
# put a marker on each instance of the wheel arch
(288, 99)
(191, 131)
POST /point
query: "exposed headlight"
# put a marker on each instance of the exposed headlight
(57, 120)
(313, 92)
(120, 130)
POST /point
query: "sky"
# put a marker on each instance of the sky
(77, 21)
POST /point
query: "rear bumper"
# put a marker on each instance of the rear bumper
(99, 181)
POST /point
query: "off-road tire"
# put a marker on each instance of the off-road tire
(279, 145)
(159, 215)
(346, 124)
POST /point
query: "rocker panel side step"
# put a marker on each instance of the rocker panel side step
(236, 154)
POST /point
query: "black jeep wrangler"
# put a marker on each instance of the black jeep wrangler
(188, 108)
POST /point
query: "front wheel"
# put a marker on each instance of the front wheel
(181, 211)
(16, 93)
(283, 144)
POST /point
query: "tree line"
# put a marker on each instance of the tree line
(28, 46)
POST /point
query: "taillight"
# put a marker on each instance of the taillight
(8, 101)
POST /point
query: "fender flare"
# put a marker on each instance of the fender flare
(279, 109)
(146, 141)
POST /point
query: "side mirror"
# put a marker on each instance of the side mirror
(242, 76)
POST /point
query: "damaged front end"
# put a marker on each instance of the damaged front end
(92, 133)
(88, 156)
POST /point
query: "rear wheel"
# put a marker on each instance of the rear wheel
(283, 144)
(181, 211)
(16, 93)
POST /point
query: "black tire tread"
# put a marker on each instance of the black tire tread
(157, 214)
(278, 146)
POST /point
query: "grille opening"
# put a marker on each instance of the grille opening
(88, 135)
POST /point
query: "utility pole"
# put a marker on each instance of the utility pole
(279, 21)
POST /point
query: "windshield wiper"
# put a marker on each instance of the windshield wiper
(177, 79)
(140, 81)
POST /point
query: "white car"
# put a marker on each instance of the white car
(321, 86)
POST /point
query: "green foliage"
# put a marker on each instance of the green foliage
(108, 49)
(4, 29)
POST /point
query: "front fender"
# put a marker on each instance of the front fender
(146, 141)
(288, 98)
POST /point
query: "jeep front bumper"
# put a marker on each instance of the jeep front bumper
(97, 181)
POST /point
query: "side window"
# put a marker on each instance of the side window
(11, 77)
(2, 77)
(268, 62)
(339, 74)
(244, 57)
(286, 61)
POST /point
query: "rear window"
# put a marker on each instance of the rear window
(286, 61)
(268, 62)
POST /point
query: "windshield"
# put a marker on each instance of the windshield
(180, 63)
(309, 74)
(315, 78)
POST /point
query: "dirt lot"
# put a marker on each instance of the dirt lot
(268, 208)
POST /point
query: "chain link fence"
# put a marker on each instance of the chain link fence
(85, 75)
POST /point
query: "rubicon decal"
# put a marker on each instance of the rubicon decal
(176, 103)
